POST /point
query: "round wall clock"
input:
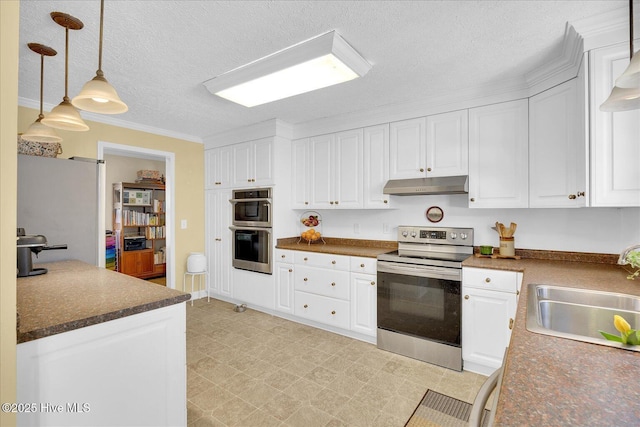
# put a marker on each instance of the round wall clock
(435, 214)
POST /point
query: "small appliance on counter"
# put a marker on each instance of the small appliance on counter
(28, 244)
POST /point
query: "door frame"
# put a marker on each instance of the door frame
(111, 148)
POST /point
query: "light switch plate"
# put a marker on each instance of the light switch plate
(183, 224)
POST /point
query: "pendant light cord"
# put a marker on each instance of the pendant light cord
(66, 62)
(100, 46)
(630, 29)
(41, 83)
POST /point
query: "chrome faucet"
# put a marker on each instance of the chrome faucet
(623, 254)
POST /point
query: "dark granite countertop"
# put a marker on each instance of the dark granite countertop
(339, 246)
(551, 381)
(74, 294)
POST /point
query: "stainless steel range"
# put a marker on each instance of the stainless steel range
(419, 294)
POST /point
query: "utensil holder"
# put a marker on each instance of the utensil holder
(507, 247)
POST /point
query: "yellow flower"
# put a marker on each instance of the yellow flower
(621, 324)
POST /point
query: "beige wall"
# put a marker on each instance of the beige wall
(9, 18)
(189, 174)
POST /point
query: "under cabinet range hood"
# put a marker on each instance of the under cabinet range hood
(425, 186)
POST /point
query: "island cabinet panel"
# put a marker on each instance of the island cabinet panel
(128, 371)
(615, 150)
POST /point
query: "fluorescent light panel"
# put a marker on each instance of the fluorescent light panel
(319, 62)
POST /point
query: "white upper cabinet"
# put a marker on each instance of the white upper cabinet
(335, 170)
(615, 137)
(498, 155)
(376, 166)
(448, 144)
(217, 167)
(253, 163)
(557, 147)
(300, 196)
(407, 146)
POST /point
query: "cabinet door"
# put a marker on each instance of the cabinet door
(262, 159)
(210, 165)
(146, 262)
(498, 157)
(376, 166)
(346, 170)
(321, 191)
(242, 170)
(363, 303)
(487, 319)
(615, 175)
(448, 144)
(224, 167)
(300, 174)
(556, 148)
(407, 154)
(218, 241)
(284, 287)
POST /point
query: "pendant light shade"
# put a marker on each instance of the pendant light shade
(97, 95)
(65, 116)
(38, 132)
(631, 76)
(621, 99)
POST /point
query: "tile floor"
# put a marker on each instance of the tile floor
(252, 369)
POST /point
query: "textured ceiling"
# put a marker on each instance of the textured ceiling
(158, 53)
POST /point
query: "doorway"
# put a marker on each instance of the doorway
(108, 148)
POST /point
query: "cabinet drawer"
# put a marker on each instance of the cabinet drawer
(498, 280)
(363, 265)
(284, 255)
(322, 282)
(313, 259)
(322, 309)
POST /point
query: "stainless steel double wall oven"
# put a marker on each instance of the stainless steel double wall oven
(252, 222)
(419, 294)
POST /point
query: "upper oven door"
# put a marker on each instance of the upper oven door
(252, 208)
(420, 301)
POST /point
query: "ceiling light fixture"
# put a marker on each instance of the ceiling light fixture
(97, 95)
(313, 64)
(65, 116)
(38, 132)
(625, 95)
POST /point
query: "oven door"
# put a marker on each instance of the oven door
(420, 301)
(251, 248)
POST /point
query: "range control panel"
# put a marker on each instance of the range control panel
(436, 235)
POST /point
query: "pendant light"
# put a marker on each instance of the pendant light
(97, 95)
(38, 132)
(65, 116)
(625, 95)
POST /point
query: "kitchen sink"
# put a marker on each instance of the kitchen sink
(579, 314)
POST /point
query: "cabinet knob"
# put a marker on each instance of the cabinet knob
(572, 196)
(428, 169)
(305, 258)
(305, 279)
(466, 297)
(472, 199)
(290, 271)
(306, 306)
(331, 202)
(580, 193)
(218, 239)
(248, 180)
(373, 283)
(362, 265)
(306, 203)
(333, 283)
(421, 169)
(333, 312)
(386, 201)
(488, 280)
(333, 262)
(283, 256)
(337, 202)
(511, 323)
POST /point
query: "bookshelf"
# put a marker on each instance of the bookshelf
(139, 224)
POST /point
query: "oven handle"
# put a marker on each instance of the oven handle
(234, 201)
(419, 271)
(234, 228)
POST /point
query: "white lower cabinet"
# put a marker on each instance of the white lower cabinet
(488, 311)
(330, 311)
(284, 287)
(363, 303)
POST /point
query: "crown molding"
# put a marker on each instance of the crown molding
(605, 29)
(110, 120)
(266, 129)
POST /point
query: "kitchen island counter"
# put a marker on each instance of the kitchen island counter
(339, 246)
(74, 294)
(555, 381)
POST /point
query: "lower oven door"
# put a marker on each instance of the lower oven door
(420, 301)
(251, 248)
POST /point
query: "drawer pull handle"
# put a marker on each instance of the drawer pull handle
(305, 306)
(305, 279)
(488, 280)
(373, 283)
(466, 297)
(333, 283)
(362, 265)
(511, 323)
(517, 293)
(333, 312)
